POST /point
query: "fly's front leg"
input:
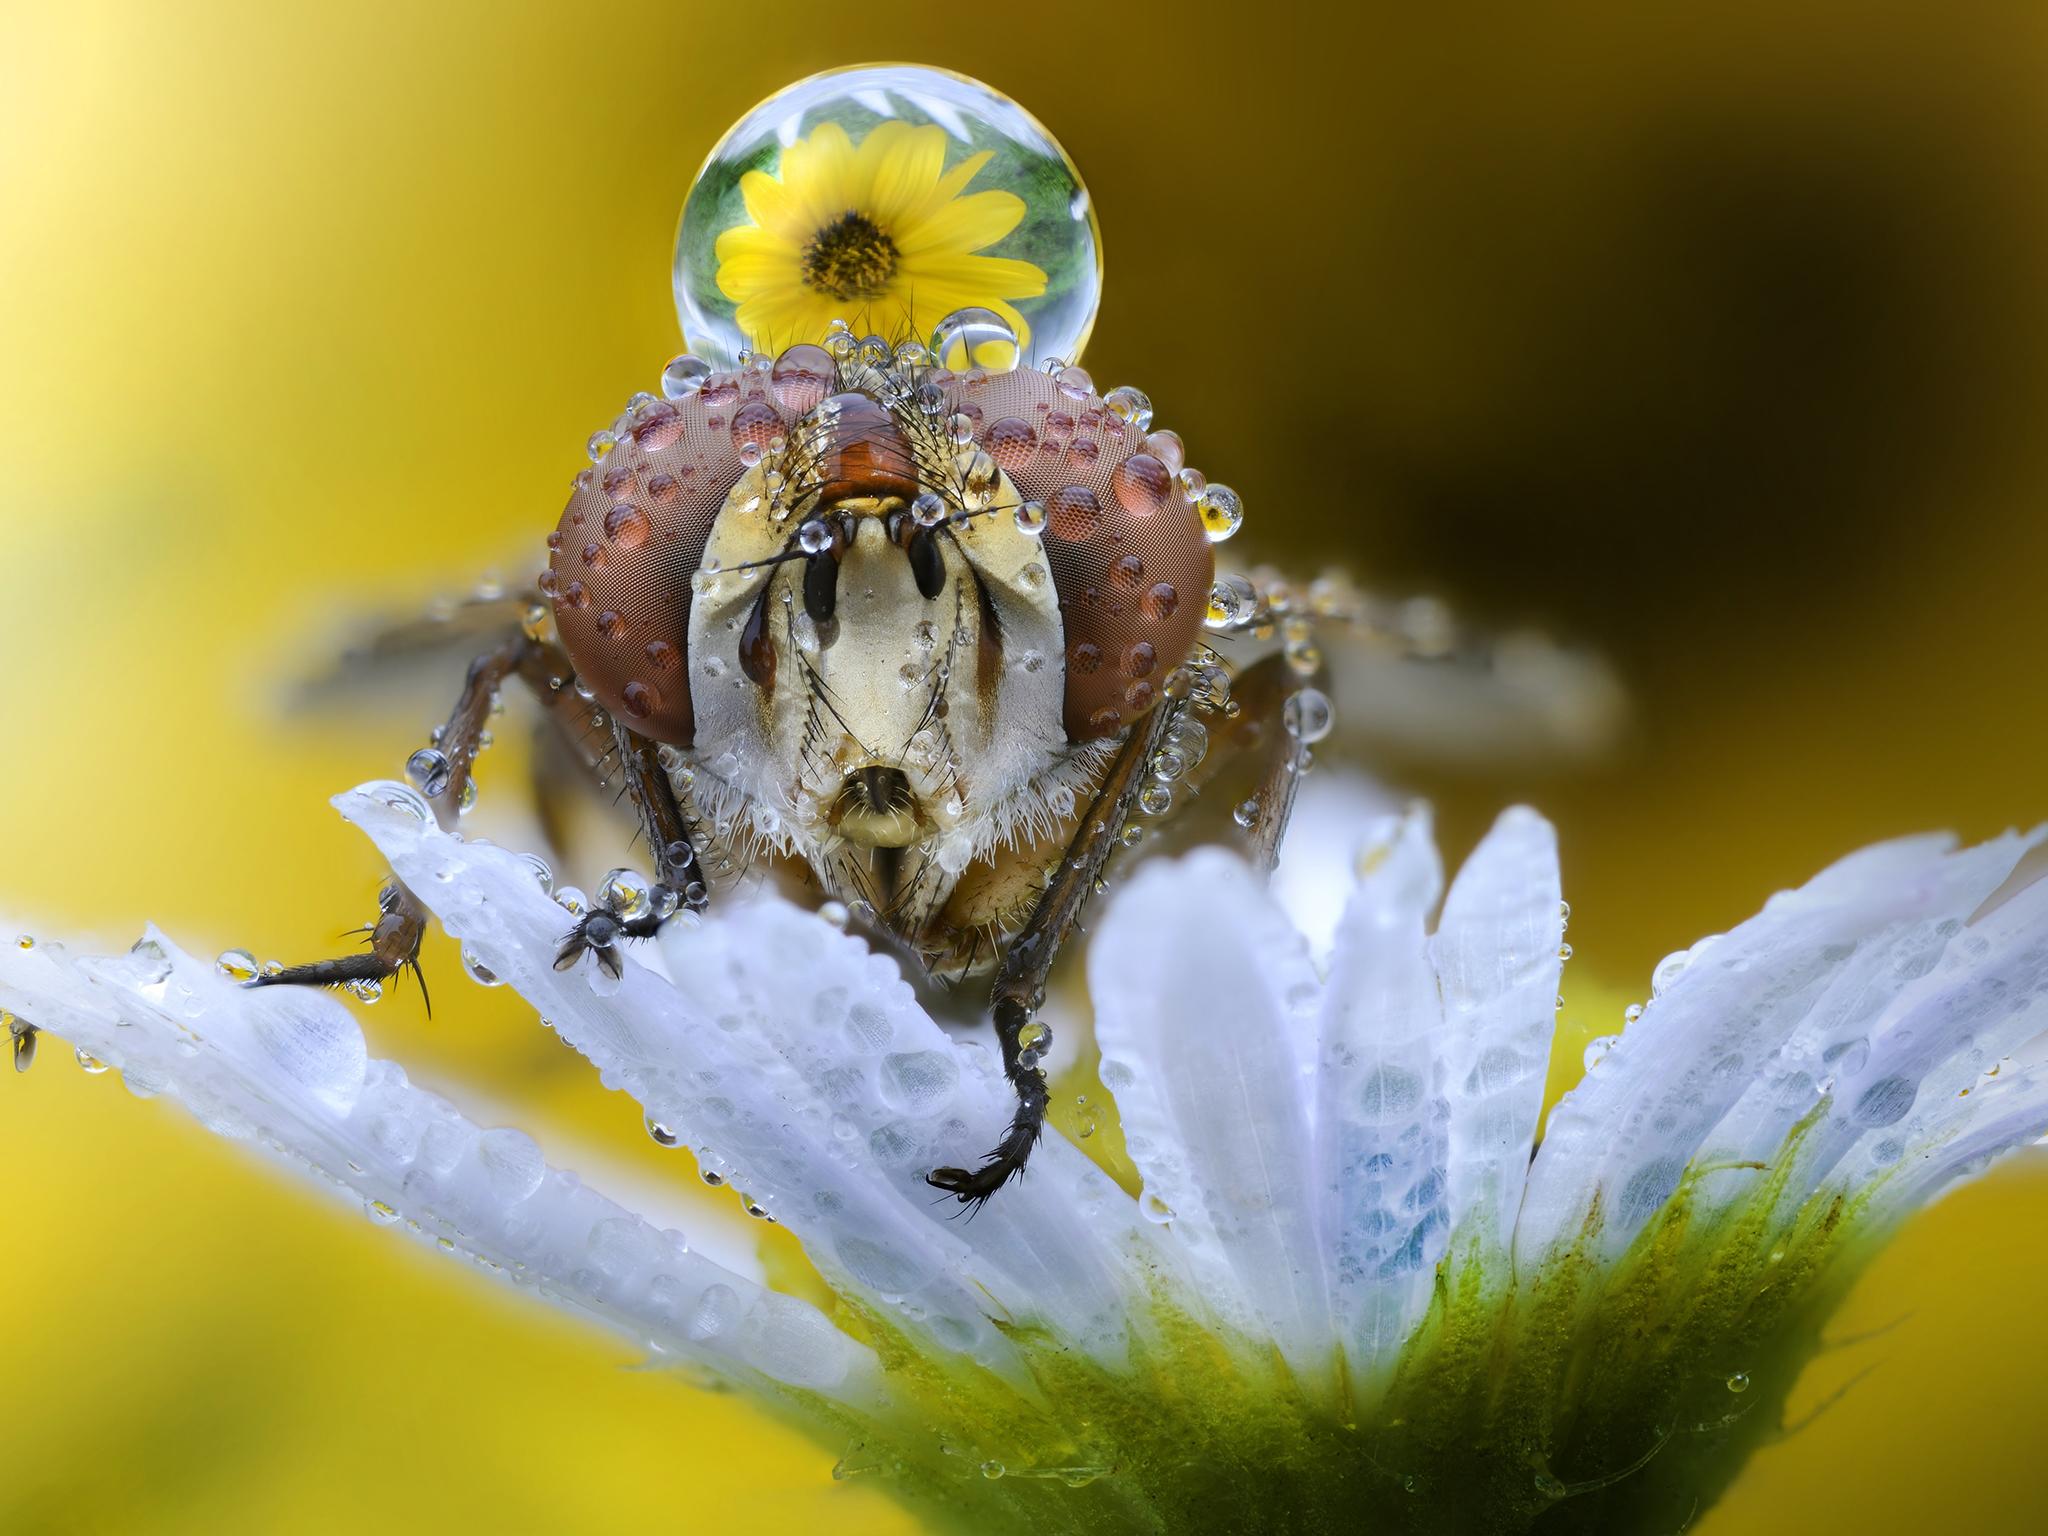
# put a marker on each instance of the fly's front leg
(1020, 983)
(626, 910)
(443, 774)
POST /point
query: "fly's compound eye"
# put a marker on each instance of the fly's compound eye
(622, 560)
(1126, 543)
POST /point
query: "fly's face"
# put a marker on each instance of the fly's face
(872, 643)
(892, 613)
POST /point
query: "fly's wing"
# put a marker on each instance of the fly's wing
(1412, 683)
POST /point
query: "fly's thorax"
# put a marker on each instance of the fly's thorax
(921, 711)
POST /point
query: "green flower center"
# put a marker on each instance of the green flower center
(850, 259)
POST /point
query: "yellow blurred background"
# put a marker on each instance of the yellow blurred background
(1717, 341)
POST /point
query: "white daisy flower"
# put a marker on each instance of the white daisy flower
(1346, 1294)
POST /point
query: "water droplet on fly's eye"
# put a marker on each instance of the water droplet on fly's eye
(627, 526)
(929, 509)
(1160, 601)
(91, 1063)
(1031, 518)
(1596, 1048)
(1130, 405)
(601, 443)
(237, 965)
(974, 338)
(1739, 1382)
(478, 972)
(750, 453)
(684, 376)
(1222, 512)
(1307, 715)
(1074, 383)
(1193, 483)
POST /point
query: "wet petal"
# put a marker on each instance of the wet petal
(1382, 1125)
(1497, 963)
(284, 1069)
(1205, 1001)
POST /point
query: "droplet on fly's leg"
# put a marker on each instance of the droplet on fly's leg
(1130, 405)
(625, 892)
(429, 768)
(1307, 715)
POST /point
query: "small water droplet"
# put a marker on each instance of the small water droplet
(1308, 716)
(478, 972)
(237, 965)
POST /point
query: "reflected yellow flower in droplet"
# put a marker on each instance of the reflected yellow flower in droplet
(878, 233)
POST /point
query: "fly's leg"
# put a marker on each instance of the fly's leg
(443, 773)
(1020, 983)
(679, 878)
(1263, 747)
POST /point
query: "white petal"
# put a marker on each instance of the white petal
(1922, 1087)
(800, 1066)
(1204, 1001)
(1334, 812)
(1848, 1043)
(284, 1069)
(1497, 961)
(1627, 1132)
(1382, 1120)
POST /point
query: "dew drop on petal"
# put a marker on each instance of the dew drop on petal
(477, 971)
(237, 965)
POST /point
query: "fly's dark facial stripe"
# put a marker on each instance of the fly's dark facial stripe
(821, 586)
(927, 565)
(988, 657)
(757, 648)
